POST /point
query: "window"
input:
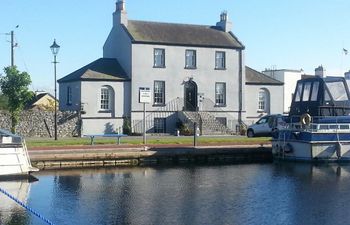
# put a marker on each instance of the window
(159, 92)
(337, 91)
(190, 59)
(220, 62)
(307, 90)
(220, 94)
(159, 58)
(159, 125)
(262, 100)
(105, 102)
(314, 91)
(69, 95)
(298, 92)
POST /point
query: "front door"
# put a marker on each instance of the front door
(190, 96)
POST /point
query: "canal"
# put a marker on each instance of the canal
(221, 194)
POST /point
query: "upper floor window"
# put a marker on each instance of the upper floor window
(190, 59)
(106, 98)
(220, 60)
(159, 58)
(69, 95)
(220, 94)
(159, 92)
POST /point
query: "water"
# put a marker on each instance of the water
(234, 194)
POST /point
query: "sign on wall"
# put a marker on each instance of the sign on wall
(145, 95)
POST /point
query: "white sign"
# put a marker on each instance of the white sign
(145, 95)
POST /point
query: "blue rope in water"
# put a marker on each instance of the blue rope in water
(26, 207)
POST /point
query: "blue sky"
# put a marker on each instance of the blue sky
(284, 34)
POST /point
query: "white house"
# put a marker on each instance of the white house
(289, 78)
(198, 68)
(263, 94)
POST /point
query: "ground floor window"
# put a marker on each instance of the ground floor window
(220, 94)
(159, 125)
(222, 120)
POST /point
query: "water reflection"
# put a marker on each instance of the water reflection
(237, 194)
(11, 212)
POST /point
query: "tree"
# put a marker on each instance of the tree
(14, 86)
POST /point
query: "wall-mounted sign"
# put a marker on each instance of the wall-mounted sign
(145, 95)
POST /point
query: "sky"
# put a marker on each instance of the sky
(279, 34)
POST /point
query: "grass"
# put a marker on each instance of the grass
(152, 140)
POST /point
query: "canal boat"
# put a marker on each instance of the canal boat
(318, 126)
(14, 158)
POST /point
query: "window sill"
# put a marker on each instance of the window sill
(104, 111)
(190, 68)
(220, 105)
(159, 105)
(220, 68)
(261, 111)
(159, 67)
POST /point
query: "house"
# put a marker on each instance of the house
(42, 101)
(289, 78)
(191, 71)
(266, 92)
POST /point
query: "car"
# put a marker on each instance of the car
(266, 126)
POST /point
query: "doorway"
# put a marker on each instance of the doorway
(191, 98)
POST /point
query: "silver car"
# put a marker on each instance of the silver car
(266, 126)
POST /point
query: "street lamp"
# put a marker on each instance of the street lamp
(55, 49)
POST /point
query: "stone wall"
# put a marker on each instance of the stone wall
(37, 123)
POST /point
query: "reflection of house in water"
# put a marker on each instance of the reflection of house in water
(10, 211)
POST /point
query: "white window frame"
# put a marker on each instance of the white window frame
(105, 98)
(262, 99)
(220, 94)
(220, 60)
(159, 92)
(159, 58)
(190, 59)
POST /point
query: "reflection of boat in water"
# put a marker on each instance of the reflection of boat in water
(9, 209)
(14, 158)
(318, 124)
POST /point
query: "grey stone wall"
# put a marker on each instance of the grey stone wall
(37, 123)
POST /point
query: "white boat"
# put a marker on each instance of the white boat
(318, 126)
(14, 158)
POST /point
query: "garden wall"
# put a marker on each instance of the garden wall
(38, 123)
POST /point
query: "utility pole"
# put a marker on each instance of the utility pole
(13, 45)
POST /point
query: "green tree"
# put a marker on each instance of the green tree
(3, 102)
(14, 86)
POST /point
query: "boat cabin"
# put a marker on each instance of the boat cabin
(318, 96)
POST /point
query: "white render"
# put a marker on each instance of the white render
(274, 106)
(289, 78)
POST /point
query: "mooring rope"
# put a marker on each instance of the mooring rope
(26, 207)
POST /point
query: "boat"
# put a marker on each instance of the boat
(14, 158)
(318, 126)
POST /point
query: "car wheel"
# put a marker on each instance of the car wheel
(250, 133)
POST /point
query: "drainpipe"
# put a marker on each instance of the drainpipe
(240, 87)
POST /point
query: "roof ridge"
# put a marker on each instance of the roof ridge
(264, 75)
(172, 23)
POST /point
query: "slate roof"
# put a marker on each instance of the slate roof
(106, 69)
(255, 77)
(181, 34)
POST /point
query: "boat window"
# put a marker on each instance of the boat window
(337, 90)
(298, 92)
(314, 91)
(323, 127)
(344, 127)
(326, 96)
(307, 90)
(333, 126)
(314, 127)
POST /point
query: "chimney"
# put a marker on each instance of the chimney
(224, 23)
(120, 15)
(319, 71)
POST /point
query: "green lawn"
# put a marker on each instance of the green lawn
(46, 142)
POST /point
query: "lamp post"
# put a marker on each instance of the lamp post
(55, 49)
